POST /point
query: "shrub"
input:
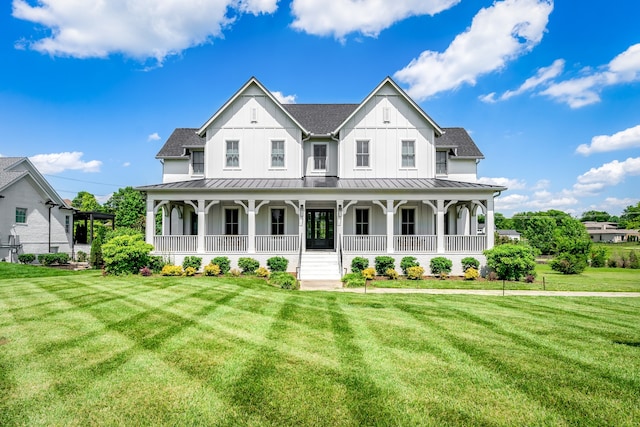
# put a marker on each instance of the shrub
(190, 271)
(383, 263)
(612, 262)
(248, 265)
(598, 257)
(353, 280)
(26, 258)
(530, 278)
(471, 274)
(634, 262)
(567, 263)
(95, 256)
(391, 273)
(172, 270)
(368, 273)
(492, 276)
(415, 273)
(284, 281)
(440, 265)
(408, 262)
(470, 262)
(126, 254)
(223, 262)
(50, 259)
(358, 264)
(235, 272)
(156, 263)
(81, 256)
(145, 271)
(212, 269)
(277, 264)
(263, 272)
(511, 262)
(192, 261)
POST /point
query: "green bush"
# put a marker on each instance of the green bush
(384, 263)
(353, 280)
(598, 257)
(277, 264)
(440, 266)
(408, 262)
(567, 263)
(81, 256)
(223, 262)
(415, 273)
(172, 270)
(248, 265)
(358, 264)
(95, 256)
(50, 259)
(633, 260)
(284, 281)
(126, 254)
(470, 262)
(26, 258)
(211, 270)
(156, 263)
(511, 262)
(192, 261)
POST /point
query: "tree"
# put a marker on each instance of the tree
(511, 261)
(129, 206)
(572, 246)
(597, 216)
(630, 217)
(503, 223)
(86, 202)
(539, 232)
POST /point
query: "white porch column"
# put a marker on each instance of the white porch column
(390, 226)
(201, 225)
(490, 224)
(340, 227)
(251, 216)
(150, 226)
(302, 224)
(440, 226)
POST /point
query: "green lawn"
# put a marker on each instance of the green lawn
(82, 349)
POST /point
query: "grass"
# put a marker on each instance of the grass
(17, 271)
(82, 349)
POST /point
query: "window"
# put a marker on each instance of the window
(408, 154)
(441, 162)
(320, 157)
(21, 215)
(67, 224)
(277, 221)
(231, 223)
(362, 222)
(197, 162)
(408, 226)
(277, 154)
(233, 154)
(362, 154)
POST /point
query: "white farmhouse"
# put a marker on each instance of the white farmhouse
(33, 217)
(320, 184)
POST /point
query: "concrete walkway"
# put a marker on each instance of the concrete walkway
(320, 285)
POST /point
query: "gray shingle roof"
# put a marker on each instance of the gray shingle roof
(8, 176)
(459, 140)
(234, 184)
(320, 119)
(181, 137)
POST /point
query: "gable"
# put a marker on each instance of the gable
(16, 169)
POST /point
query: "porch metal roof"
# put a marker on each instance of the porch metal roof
(230, 184)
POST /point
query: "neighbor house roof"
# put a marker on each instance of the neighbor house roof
(9, 174)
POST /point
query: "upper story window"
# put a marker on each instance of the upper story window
(320, 157)
(67, 224)
(441, 162)
(197, 162)
(408, 154)
(277, 221)
(277, 154)
(362, 222)
(21, 215)
(408, 224)
(233, 154)
(362, 154)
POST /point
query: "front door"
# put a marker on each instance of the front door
(320, 229)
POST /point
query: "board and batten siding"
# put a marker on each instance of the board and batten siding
(462, 170)
(175, 170)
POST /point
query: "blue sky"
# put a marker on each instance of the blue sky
(549, 91)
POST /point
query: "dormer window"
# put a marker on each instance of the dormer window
(441, 162)
(197, 162)
(320, 157)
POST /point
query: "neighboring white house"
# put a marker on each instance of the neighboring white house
(320, 184)
(510, 234)
(33, 217)
(608, 232)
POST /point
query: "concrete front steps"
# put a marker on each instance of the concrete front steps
(319, 266)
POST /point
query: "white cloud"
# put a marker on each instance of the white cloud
(613, 204)
(585, 90)
(153, 137)
(59, 162)
(511, 184)
(511, 202)
(542, 184)
(136, 28)
(284, 99)
(628, 138)
(369, 17)
(609, 174)
(498, 34)
(126, 164)
(542, 76)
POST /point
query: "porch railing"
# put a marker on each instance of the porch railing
(364, 243)
(465, 243)
(179, 243)
(221, 243)
(285, 243)
(419, 243)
